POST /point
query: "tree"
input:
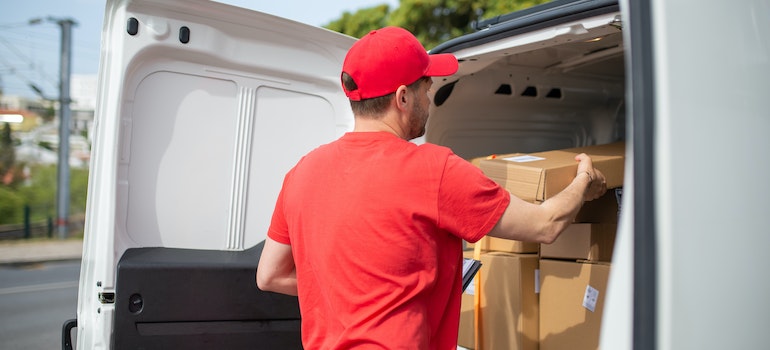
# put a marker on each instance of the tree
(431, 21)
(49, 114)
(7, 153)
(436, 21)
(11, 207)
(361, 22)
(40, 193)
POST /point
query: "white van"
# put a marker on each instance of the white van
(203, 107)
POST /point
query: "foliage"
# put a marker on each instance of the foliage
(431, 21)
(40, 194)
(11, 171)
(49, 114)
(47, 145)
(7, 152)
(435, 21)
(362, 22)
(11, 207)
(78, 190)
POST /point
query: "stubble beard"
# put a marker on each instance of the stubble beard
(418, 120)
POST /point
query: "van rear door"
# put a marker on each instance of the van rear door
(692, 247)
(202, 108)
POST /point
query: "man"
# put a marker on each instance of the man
(368, 229)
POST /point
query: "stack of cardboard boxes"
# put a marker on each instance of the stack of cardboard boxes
(529, 296)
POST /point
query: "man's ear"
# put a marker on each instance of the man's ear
(402, 97)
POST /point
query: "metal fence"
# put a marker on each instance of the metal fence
(26, 231)
(40, 229)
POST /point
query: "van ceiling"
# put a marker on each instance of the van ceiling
(599, 58)
(602, 57)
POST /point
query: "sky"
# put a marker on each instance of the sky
(29, 53)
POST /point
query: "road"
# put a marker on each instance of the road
(35, 300)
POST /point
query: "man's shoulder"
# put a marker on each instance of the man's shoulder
(431, 148)
(443, 154)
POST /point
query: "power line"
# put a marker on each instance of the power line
(29, 83)
(21, 42)
(12, 48)
(45, 36)
(28, 53)
(31, 21)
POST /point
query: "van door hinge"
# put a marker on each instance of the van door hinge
(107, 297)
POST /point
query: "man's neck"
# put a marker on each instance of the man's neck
(376, 125)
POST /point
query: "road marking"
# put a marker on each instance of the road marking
(38, 287)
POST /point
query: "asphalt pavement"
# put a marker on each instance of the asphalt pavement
(34, 251)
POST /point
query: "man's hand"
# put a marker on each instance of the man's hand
(597, 184)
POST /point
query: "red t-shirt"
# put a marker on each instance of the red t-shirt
(376, 224)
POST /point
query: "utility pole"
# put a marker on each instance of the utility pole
(63, 173)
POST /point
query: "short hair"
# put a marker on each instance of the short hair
(372, 107)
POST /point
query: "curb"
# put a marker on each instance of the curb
(20, 253)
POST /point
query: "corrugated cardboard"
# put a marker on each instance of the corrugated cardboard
(465, 336)
(506, 245)
(605, 209)
(509, 304)
(564, 322)
(592, 242)
(538, 180)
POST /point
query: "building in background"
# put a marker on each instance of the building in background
(83, 94)
(39, 139)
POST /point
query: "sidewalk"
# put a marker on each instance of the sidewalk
(24, 252)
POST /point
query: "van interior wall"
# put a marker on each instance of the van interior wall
(506, 108)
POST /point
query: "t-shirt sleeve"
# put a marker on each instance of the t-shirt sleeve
(470, 203)
(279, 229)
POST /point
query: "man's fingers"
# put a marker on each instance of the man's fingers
(584, 163)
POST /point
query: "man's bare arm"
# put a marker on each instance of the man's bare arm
(276, 271)
(528, 222)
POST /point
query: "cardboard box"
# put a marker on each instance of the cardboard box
(477, 160)
(572, 298)
(509, 304)
(466, 335)
(605, 209)
(536, 177)
(495, 244)
(591, 242)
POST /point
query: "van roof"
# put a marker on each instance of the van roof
(537, 17)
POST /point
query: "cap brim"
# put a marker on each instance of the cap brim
(442, 65)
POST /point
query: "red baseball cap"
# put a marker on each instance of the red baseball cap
(387, 58)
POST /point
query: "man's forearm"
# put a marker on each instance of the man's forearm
(528, 222)
(564, 207)
(276, 271)
(283, 285)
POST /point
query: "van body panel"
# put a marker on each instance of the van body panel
(701, 90)
(711, 171)
(202, 108)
